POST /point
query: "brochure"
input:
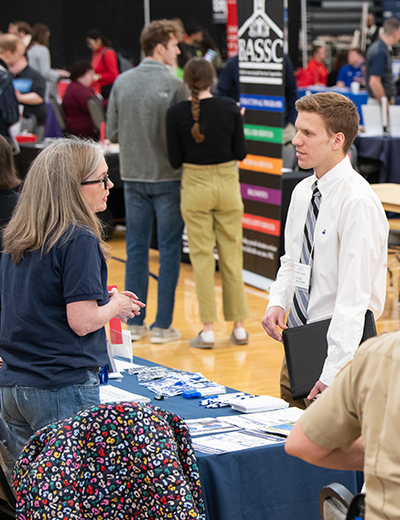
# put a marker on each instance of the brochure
(209, 425)
(233, 441)
(111, 394)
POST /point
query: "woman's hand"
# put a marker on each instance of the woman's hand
(128, 304)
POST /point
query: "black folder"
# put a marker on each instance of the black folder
(306, 350)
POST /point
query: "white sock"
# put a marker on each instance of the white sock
(240, 333)
(207, 336)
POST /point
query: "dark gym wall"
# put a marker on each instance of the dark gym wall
(120, 20)
(49, 12)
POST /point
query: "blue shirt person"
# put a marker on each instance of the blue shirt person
(353, 71)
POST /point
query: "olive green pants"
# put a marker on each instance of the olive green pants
(212, 209)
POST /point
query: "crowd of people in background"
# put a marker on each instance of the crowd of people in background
(41, 80)
(348, 66)
(370, 70)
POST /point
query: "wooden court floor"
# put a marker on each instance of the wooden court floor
(253, 368)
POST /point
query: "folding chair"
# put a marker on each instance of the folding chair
(334, 502)
(59, 112)
(96, 112)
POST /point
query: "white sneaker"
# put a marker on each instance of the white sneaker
(201, 341)
(239, 336)
(159, 336)
(138, 331)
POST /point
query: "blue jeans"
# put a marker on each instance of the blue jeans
(27, 409)
(143, 201)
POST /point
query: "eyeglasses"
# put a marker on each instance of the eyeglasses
(104, 179)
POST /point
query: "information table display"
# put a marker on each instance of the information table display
(253, 484)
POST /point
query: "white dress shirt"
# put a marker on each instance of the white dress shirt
(350, 259)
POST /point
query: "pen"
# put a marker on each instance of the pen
(224, 398)
(208, 399)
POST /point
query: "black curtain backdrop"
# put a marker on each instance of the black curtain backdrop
(120, 20)
(49, 12)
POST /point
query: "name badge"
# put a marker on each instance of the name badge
(301, 276)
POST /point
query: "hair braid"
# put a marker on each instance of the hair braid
(195, 108)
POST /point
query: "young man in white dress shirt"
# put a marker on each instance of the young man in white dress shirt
(348, 274)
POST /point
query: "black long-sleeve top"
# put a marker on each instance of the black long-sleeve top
(221, 124)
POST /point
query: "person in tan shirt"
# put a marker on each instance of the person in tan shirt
(354, 424)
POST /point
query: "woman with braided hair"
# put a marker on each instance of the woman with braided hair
(205, 135)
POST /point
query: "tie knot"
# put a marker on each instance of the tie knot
(316, 192)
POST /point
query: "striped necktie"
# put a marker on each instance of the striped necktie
(298, 310)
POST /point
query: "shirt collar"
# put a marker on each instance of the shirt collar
(386, 45)
(153, 63)
(333, 176)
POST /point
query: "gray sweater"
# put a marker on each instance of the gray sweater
(136, 118)
(39, 59)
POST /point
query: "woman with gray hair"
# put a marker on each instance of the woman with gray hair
(53, 290)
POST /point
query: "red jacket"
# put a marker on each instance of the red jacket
(104, 63)
(317, 72)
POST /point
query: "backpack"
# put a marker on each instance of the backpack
(8, 102)
(124, 63)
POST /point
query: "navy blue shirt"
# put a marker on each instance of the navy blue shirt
(379, 63)
(37, 84)
(228, 81)
(291, 93)
(38, 347)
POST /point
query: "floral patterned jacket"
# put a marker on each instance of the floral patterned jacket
(113, 461)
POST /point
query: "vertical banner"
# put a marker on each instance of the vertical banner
(261, 43)
(231, 29)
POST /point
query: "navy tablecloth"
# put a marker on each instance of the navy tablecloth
(254, 484)
(386, 150)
